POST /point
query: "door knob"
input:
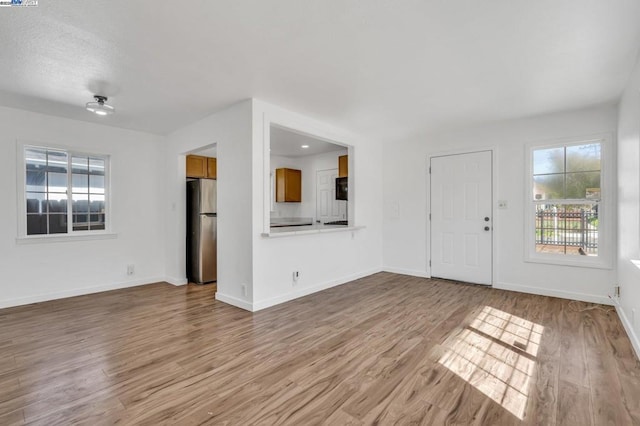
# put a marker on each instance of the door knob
(486, 228)
(486, 219)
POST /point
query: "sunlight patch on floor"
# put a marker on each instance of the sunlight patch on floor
(496, 354)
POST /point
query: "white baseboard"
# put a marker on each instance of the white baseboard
(263, 304)
(584, 297)
(76, 292)
(234, 301)
(635, 342)
(411, 272)
(176, 281)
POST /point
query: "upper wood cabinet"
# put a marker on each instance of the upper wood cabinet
(343, 166)
(201, 167)
(288, 185)
(212, 168)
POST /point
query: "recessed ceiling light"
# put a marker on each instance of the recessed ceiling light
(304, 146)
(100, 107)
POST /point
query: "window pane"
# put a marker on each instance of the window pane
(57, 203)
(547, 187)
(548, 161)
(583, 185)
(96, 184)
(57, 223)
(96, 166)
(99, 225)
(57, 161)
(35, 159)
(80, 165)
(36, 180)
(97, 203)
(97, 217)
(80, 222)
(56, 182)
(567, 229)
(80, 203)
(47, 191)
(80, 183)
(583, 158)
(35, 202)
(36, 224)
(80, 212)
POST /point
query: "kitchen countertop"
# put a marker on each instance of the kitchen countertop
(308, 229)
(291, 221)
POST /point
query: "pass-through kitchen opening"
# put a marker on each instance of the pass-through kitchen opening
(309, 182)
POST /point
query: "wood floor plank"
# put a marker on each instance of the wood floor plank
(13, 418)
(385, 349)
(573, 365)
(574, 406)
(543, 391)
(606, 389)
(100, 411)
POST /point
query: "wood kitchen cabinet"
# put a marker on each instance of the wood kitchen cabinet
(343, 166)
(201, 167)
(212, 168)
(288, 185)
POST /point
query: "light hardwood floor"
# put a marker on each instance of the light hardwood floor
(386, 349)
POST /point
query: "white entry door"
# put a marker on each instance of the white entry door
(328, 209)
(461, 222)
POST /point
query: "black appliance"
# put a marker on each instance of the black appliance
(341, 188)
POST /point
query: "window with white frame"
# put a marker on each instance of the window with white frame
(65, 192)
(566, 210)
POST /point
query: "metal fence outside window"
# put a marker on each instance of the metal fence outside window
(569, 229)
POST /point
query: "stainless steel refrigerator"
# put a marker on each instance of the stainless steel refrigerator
(202, 265)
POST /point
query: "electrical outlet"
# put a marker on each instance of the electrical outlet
(296, 275)
(616, 291)
(131, 269)
(244, 290)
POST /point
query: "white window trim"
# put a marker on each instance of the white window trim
(606, 214)
(22, 237)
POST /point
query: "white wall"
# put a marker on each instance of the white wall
(324, 260)
(629, 207)
(230, 129)
(47, 270)
(405, 194)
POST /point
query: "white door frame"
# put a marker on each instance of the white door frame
(494, 218)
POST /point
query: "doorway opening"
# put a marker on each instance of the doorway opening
(201, 215)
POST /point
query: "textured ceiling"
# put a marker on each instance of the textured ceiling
(379, 67)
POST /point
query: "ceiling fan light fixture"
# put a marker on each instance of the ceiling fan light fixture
(100, 107)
